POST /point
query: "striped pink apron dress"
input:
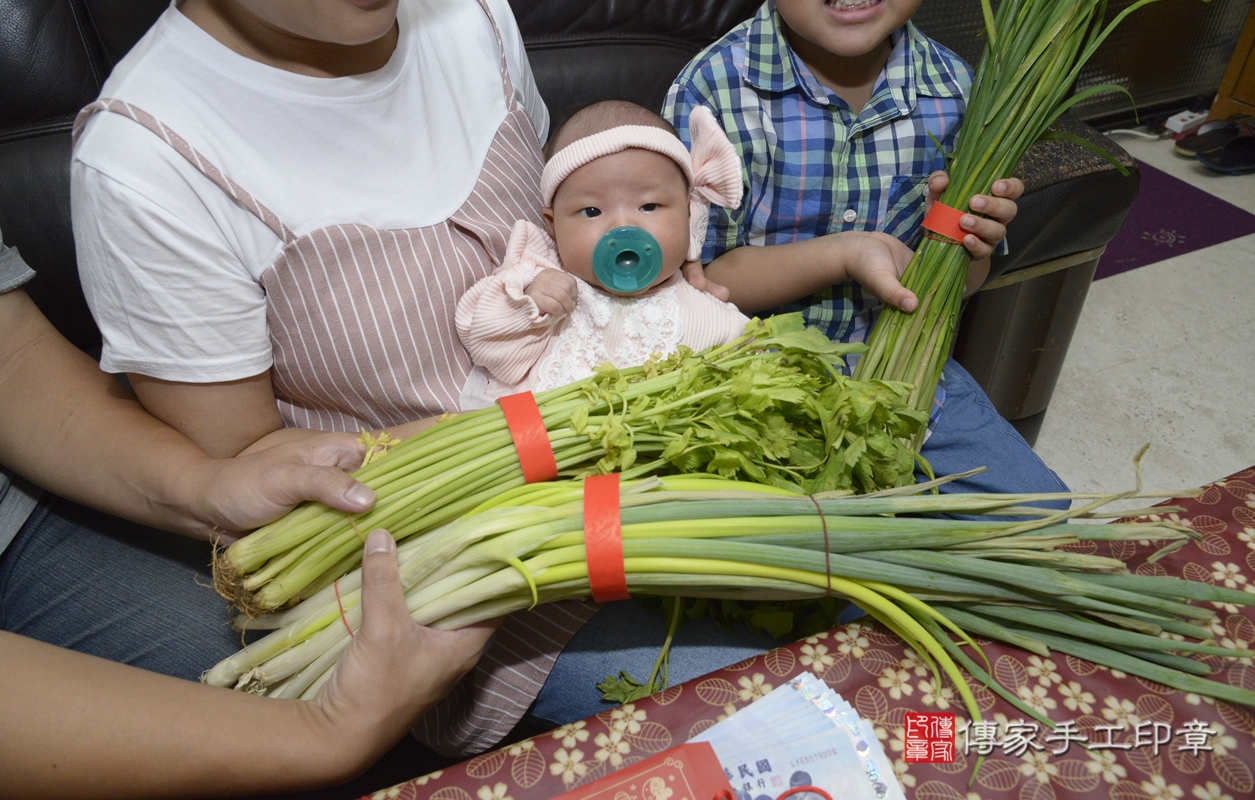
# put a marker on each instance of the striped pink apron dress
(362, 325)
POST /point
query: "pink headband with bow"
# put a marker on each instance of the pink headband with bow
(712, 169)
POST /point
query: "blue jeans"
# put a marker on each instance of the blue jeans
(625, 636)
(969, 433)
(100, 585)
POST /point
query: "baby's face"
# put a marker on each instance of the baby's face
(634, 187)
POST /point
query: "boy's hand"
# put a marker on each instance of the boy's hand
(984, 233)
(696, 277)
(876, 261)
(553, 291)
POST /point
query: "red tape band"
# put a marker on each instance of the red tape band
(944, 220)
(603, 538)
(343, 618)
(531, 440)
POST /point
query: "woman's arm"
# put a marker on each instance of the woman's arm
(235, 418)
(74, 430)
(78, 726)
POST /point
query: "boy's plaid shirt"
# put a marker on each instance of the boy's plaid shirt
(814, 167)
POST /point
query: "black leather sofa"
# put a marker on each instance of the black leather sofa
(55, 54)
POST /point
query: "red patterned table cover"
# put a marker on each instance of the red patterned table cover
(884, 680)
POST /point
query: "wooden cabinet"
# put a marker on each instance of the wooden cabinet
(1237, 90)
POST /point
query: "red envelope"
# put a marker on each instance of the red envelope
(687, 772)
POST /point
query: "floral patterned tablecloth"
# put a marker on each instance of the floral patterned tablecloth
(1209, 755)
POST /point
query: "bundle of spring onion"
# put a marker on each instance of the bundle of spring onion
(1035, 50)
(769, 407)
(701, 536)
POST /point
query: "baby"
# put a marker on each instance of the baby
(626, 206)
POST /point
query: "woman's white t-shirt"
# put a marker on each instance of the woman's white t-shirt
(171, 265)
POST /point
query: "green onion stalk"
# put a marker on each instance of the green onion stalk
(1004, 574)
(1035, 50)
(771, 407)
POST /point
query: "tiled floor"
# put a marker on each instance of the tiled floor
(1163, 354)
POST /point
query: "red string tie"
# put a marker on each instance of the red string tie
(800, 789)
(339, 603)
(827, 554)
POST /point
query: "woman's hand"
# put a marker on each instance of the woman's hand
(248, 491)
(86, 727)
(394, 668)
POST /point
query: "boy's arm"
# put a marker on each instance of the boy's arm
(761, 277)
(765, 277)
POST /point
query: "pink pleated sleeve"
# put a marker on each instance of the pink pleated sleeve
(499, 325)
(708, 321)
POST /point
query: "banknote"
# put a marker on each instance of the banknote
(825, 761)
(862, 736)
(802, 731)
(785, 711)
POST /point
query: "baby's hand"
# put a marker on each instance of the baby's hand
(876, 261)
(984, 232)
(553, 291)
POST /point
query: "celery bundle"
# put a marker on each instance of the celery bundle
(770, 407)
(1035, 51)
(701, 536)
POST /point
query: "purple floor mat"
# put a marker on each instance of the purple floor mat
(1170, 218)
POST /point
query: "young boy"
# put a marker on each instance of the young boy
(836, 109)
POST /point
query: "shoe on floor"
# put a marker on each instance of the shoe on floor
(1235, 158)
(1214, 135)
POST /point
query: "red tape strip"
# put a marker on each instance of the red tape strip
(603, 538)
(531, 440)
(944, 220)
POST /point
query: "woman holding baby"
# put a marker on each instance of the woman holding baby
(277, 210)
(278, 206)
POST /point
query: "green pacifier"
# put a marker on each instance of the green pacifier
(627, 259)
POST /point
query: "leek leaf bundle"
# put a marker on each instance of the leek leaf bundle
(771, 407)
(1035, 50)
(925, 579)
